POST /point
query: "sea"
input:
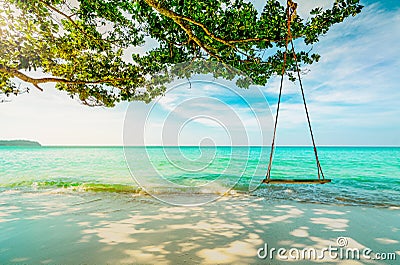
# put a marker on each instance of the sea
(367, 176)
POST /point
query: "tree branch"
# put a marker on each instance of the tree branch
(209, 33)
(69, 18)
(64, 15)
(36, 81)
(178, 20)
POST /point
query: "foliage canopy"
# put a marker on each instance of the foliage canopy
(89, 48)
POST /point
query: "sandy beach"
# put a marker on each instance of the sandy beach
(91, 228)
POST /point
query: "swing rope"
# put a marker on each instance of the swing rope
(291, 13)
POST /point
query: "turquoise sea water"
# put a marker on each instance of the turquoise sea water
(360, 175)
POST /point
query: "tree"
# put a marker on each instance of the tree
(82, 45)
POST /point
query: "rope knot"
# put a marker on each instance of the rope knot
(292, 10)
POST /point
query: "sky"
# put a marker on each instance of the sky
(352, 92)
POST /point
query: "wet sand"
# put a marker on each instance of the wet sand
(106, 228)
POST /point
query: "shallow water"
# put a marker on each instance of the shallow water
(360, 175)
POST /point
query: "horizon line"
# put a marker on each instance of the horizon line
(217, 146)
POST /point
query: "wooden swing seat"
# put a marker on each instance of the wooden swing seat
(296, 181)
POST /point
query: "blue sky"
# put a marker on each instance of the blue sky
(353, 96)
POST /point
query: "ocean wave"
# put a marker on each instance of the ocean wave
(339, 192)
(71, 186)
(75, 186)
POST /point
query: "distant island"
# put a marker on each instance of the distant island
(18, 143)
